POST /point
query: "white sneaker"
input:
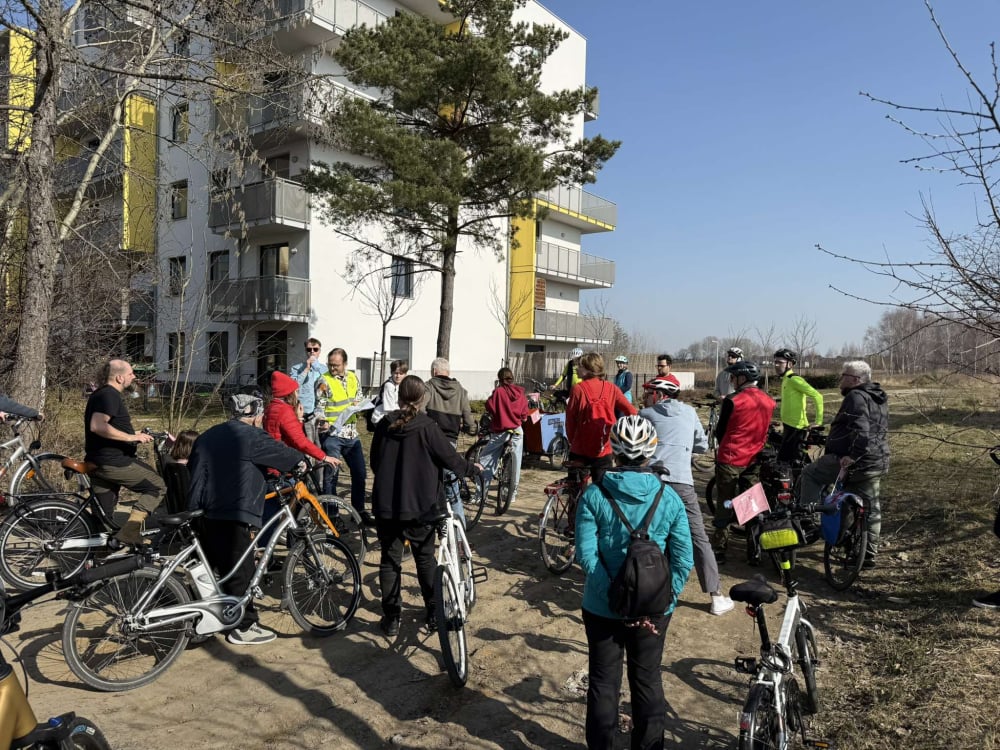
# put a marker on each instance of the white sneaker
(254, 635)
(720, 604)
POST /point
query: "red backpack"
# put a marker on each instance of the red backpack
(597, 417)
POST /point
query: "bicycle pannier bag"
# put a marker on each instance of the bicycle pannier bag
(781, 533)
(642, 586)
(830, 523)
(597, 417)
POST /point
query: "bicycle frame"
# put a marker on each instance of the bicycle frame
(452, 543)
(218, 611)
(84, 502)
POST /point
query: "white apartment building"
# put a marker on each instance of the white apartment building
(250, 271)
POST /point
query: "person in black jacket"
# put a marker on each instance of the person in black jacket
(858, 446)
(408, 455)
(10, 407)
(228, 466)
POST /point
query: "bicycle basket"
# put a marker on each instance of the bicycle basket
(781, 533)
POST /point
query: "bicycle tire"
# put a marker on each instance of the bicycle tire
(557, 544)
(474, 503)
(23, 560)
(322, 584)
(84, 735)
(346, 520)
(451, 626)
(96, 645)
(559, 450)
(842, 562)
(505, 483)
(43, 474)
(758, 720)
(805, 646)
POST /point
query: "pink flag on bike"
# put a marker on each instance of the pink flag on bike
(536, 416)
(750, 504)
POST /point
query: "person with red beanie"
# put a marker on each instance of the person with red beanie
(281, 421)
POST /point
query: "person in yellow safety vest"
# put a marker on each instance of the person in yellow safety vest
(336, 390)
(569, 377)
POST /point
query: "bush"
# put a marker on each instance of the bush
(824, 381)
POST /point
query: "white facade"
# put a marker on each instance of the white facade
(283, 280)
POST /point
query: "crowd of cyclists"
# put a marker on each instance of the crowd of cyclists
(637, 455)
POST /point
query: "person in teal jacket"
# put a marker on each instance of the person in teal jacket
(794, 392)
(600, 534)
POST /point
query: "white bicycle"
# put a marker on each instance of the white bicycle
(454, 595)
(31, 473)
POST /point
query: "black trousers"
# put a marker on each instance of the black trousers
(224, 542)
(791, 439)
(391, 535)
(597, 466)
(608, 642)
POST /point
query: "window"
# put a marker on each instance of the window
(175, 351)
(135, 347)
(176, 274)
(400, 347)
(218, 351)
(180, 125)
(402, 277)
(218, 266)
(274, 260)
(179, 200)
(278, 166)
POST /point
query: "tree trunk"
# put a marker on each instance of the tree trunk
(449, 253)
(27, 383)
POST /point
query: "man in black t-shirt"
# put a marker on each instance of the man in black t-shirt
(110, 442)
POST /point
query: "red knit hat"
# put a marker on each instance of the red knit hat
(282, 385)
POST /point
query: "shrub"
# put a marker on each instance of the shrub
(823, 381)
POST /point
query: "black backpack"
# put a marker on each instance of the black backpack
(642, 587)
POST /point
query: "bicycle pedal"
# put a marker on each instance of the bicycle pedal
(480, 574)
(746, 664)
(822, 744)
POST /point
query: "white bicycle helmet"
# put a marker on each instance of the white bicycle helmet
(663, 386)
(735, 352)
(622, 358)
(575, 352)
(633, 437)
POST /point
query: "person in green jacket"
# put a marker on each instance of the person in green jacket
(794, 392)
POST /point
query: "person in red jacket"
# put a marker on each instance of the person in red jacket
(590, 415)
(508, 408)
(742, 432)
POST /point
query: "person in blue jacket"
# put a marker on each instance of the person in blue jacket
(602, 543)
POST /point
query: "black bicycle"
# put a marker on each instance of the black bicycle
(504, 471)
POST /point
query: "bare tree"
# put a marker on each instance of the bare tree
(509, 313)
(802, 337)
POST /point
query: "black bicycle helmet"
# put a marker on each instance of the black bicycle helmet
(744, 368)
(786, 354)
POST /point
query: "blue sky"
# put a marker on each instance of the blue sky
(746, 143)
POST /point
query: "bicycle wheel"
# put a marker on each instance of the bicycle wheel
(451, 626)
(710, 495)
(346, 520)
(559, 450)
(759, 721)
(28, 542)
(473, 501)
(322, 584)
(556, 535)
(805, 647)
(105, 652)
(43, 473)
(842, 562)
(84, 735)
(505, 483)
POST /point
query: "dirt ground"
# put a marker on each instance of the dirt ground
(358, 689)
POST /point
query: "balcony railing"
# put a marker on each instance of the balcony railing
(270, 202)
(260, 298)
(573, 264)
(70, 172)
(338, 14)
(556, 324)
(583, 203)
(138, 309)
(295, 105)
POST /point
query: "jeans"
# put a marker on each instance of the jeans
(351, 452)
(704, 558)
(608, 642)
(490, 456)
(224, 542)
(452, 491)
(421, 537)
(137, 476)
(823, 472)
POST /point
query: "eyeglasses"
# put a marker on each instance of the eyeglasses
(312, 348)
(847, 375)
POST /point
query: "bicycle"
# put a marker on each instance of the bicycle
(131, 629)
(774, 711)
(59, 531)
(454, 595)
(504, 471)
(706, 461)
(844, 558)
(557, 522)
(19, 728)
(31, 473)
(329, 513)
(545, 399)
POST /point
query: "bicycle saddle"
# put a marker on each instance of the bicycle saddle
(80, 467)
(179, 519)
(756, 591)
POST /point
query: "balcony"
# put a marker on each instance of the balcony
(295, 107)
(578, 208)
(556, 325)
(109, 169)
(593, 111)
(137, 309)
(587, 271)
(270, 203)
(260, 298)
(310, 23)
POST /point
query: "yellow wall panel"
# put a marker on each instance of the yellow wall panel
(522, 280)
(139, 178)
(21, 92)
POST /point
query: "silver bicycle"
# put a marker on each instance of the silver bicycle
(454, 595)
(133, 627)
(30, 472)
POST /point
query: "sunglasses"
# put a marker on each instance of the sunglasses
(312, 348)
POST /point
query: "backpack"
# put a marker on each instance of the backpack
(596, 420)
(642, 587)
